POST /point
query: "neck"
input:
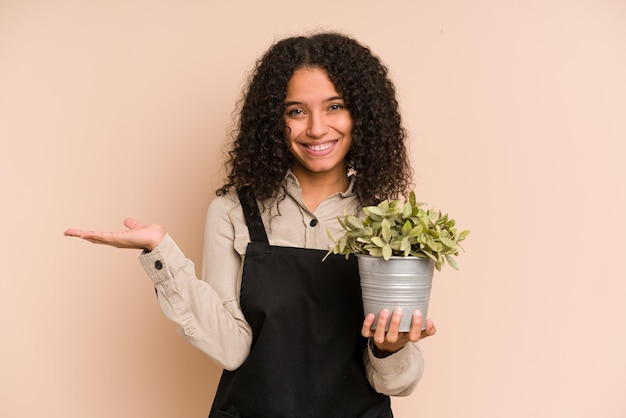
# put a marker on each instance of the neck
(318, 186)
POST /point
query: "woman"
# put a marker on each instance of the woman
(318, 134)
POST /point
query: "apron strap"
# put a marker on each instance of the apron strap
(252, 215)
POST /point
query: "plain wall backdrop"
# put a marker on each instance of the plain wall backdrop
(120, 108)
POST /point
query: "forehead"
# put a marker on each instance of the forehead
(311, 82)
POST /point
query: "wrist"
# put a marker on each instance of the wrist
(155, 241)
(378, 352)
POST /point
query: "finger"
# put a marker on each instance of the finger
(394, 326)
(92, 236)
(132, 223)
(114, 239)
(379, 334)
(107, 238)
(430, 329)
(415, 331)
(72, 232)
(86, 235)
(366, 330)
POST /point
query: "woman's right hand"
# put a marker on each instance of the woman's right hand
(138, 235)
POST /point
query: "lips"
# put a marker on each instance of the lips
(321, 147)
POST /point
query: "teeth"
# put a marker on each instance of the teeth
(321, 147)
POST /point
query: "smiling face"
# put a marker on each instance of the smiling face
(319, 126)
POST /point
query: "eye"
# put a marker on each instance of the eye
(335, 107)
(294, 113)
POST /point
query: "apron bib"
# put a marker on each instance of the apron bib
(306, 359)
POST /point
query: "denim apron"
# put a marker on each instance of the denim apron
(306, 358)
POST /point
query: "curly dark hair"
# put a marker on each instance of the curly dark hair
(259, 155)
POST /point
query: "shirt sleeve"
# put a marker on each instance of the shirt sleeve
(397, 374)
(206, 311)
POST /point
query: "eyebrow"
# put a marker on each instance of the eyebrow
(330, 99)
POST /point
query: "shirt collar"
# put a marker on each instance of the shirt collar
(291, 182)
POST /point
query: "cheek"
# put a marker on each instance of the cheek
(347, 125)
(292, 130)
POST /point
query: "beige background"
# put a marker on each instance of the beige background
(119, 108)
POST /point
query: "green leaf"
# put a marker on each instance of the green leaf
(354, 222)
(452, 262)
(395, 245)
(406, 229)
(343, 242)
(448, 242)
(379, 242)
(463, 235)
(430, 242)
(386, 229)
(387, 252)
(429, 255)
(415, 232)
(407, 210)
(374, 213)
(327, 254)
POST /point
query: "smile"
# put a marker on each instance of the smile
(321, 147)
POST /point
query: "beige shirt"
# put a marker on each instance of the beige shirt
(207, 311)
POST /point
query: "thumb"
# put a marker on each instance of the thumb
(132, 223)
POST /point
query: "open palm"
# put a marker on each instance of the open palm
(138, 235)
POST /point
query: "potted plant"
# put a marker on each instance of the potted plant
(398, 245)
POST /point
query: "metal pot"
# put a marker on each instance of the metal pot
(403, 282)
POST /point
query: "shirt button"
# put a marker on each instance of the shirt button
(313, 222)
(158, 265)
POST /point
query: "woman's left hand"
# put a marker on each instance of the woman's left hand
(392, 340)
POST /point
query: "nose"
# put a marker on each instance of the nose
(318, 125)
